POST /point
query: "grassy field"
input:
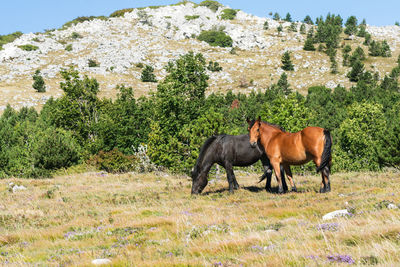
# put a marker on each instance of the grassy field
(152, 220)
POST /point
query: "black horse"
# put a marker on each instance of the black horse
(228, 151)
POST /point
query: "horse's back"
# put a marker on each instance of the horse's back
(238, 151)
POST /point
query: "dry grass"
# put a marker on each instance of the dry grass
(151, 220)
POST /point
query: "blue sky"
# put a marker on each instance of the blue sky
(38, 15)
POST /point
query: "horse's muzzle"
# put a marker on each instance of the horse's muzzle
(253, 144)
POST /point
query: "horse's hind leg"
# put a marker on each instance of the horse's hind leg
(290, 177)
(325, 179)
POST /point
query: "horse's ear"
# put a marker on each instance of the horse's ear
(259, 119)
(248, 120)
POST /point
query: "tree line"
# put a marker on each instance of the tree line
(173, 122)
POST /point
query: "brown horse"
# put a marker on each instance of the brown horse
(283, 148)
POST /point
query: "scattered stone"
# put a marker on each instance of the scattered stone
(101, 261)
(14, 187)
(392, 206)
(335, 214)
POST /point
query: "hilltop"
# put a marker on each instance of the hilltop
(155, 35)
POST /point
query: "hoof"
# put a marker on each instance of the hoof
(281, 191)
(294, 189)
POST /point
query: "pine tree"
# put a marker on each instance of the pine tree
(309, 44)
(276, 16)
(293, 27)
(38, 82)
(148, 74)
(288, 17)
(308, 20)
(303, 29)
(279, 29)
(362, 30)
(351, 26)
(356, 71)
(266, 25)
(283, 84)
(287, 62)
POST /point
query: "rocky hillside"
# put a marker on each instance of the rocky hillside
(156, 35)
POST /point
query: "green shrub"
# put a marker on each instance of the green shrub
(82, 19)
(55, 149)
(228, 14)
(216, 38)
(193, 17)
(76, 35)
(5, 39)
(38, 83)
(214, 66)
(28, 47)
(360, 136)
(93, 63)
(213, 5)
(68, 48)
(120, 13)
(114, 161)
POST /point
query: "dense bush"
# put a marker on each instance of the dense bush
(228, 14)
(213, 5)
(82, 19)
(120, 13)
(28, 47)
(114, 161)
(31, 148)
(216, 38)
(8, 38)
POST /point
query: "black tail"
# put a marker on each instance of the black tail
(326, 154)
(203, 149)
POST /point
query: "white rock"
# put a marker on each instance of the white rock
(392, 206)
(101, 261)
(334, 214)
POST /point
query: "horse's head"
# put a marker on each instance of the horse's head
(254, 131)
(199, 181)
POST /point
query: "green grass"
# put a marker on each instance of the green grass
(152, 220)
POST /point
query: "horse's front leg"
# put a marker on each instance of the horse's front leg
(290, 177)
(233, 184)
(277, 168)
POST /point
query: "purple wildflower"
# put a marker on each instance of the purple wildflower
(341, 258)
(187, 213)
(327, 227)
(312, 257)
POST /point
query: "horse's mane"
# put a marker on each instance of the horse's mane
(203, 150)
(270, 124)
